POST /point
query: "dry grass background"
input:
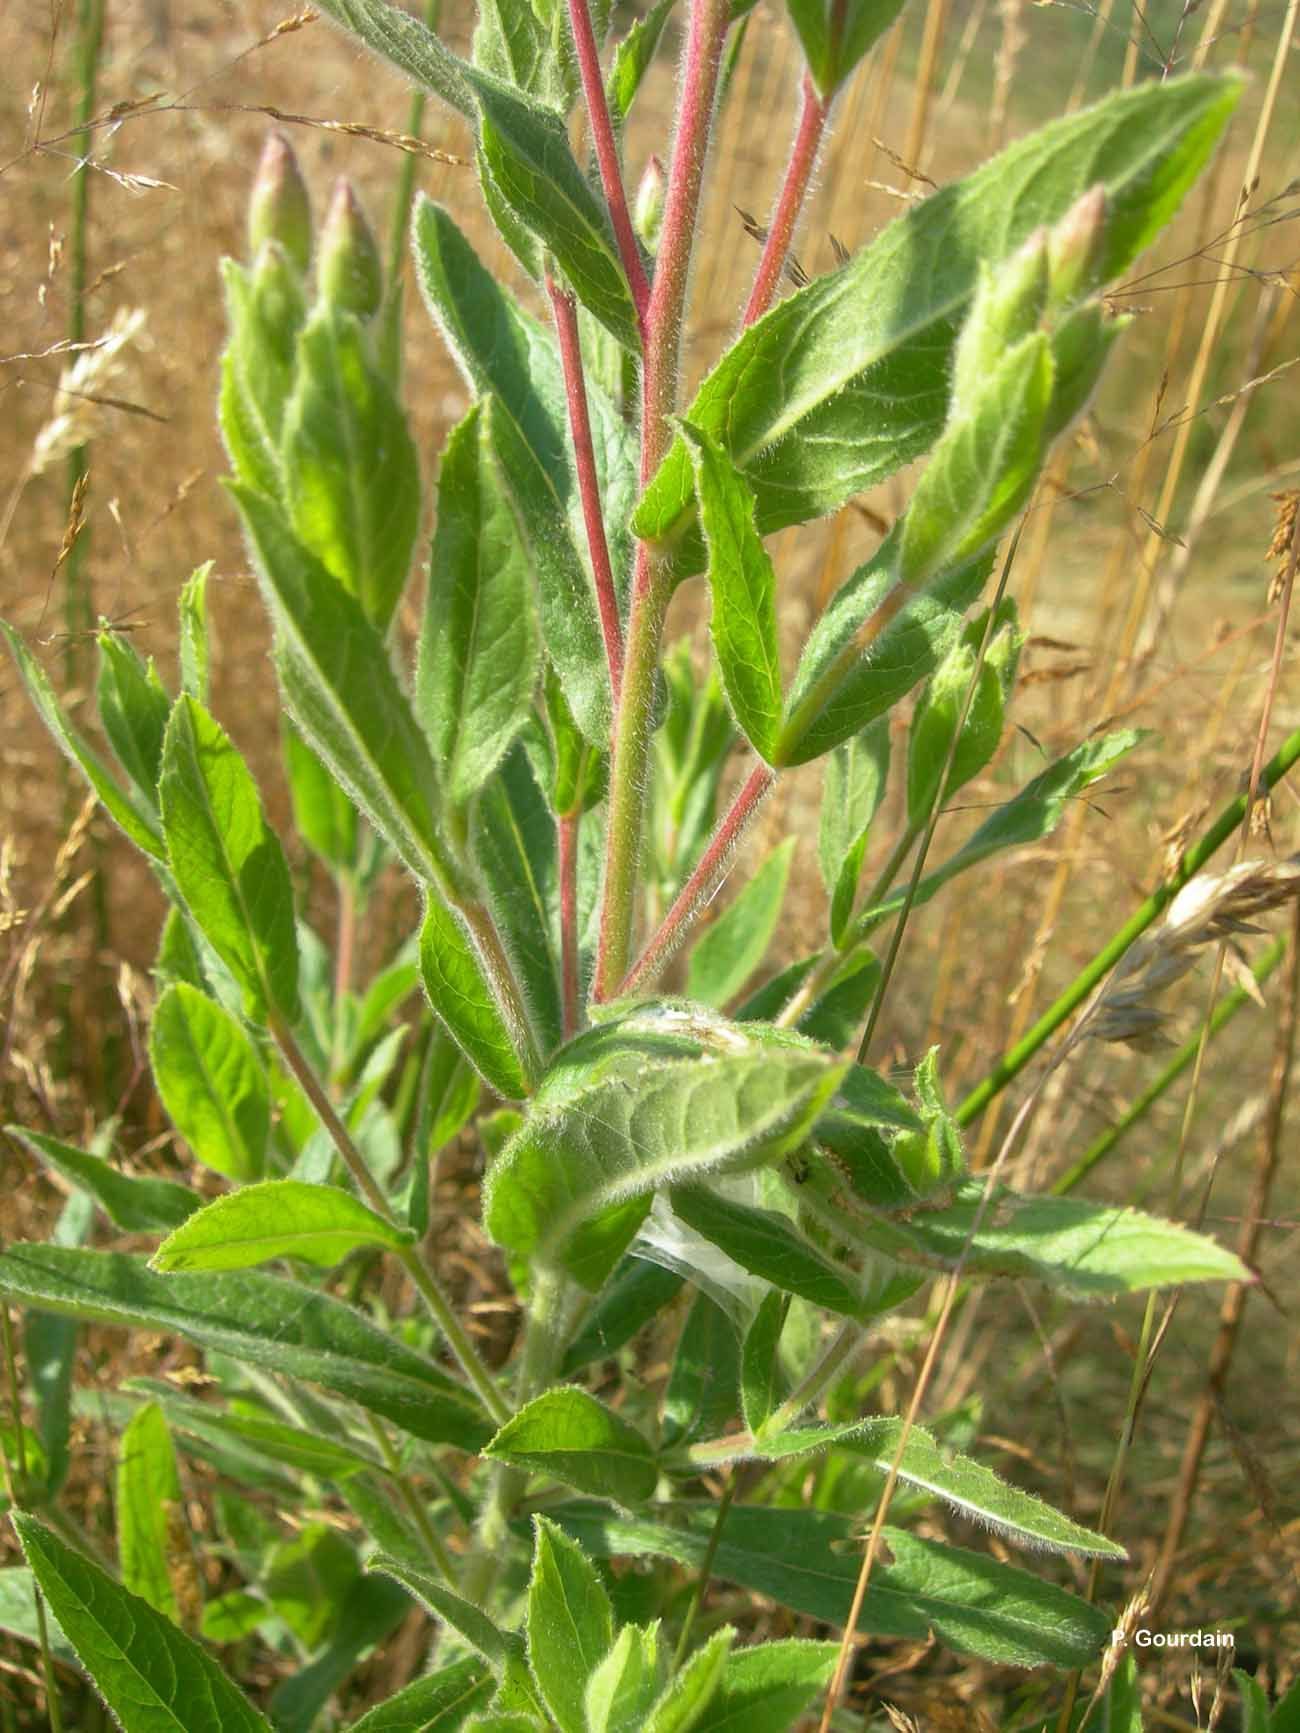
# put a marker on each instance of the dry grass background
(1126, 620)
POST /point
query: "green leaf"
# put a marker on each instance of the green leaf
(626, 1683)
(527, 47)
(864, 22)
(567, 1434)
(256, 375)
(514, 843)
(961, 1482)
(769, 1245)
(499, 1648)
(351, 474)
(260, 1319)
(211, 1082)
(762, 1379)
(847, 379)
(851, 1129)
(765, 1689)
(1090, 1250)
(194, 648)
(152, 1676)
(690, 1693)
(501, 350)
(808, 1561)
(330, 1458)
(729, 951)
(281, 1218)
(306, 1577)
(151, 1522)
(853, 786)
(134, 1205)
(460, 993)
(227, 861)
(409, 45)
(702, 1390)
(438, 1703)
(649, 1099)
(368, 1612)
(1026, 818)
(983, 467)
(527, 150)
(1257, 1718)
(940, 706)
(339, 684)
(743, 587)
(18, 1614)
(637, 1291)
(851, 671)
(479, 648)
(323, 816)
(133, 815)
(570, 1623)
(633, 58)
(50, 1348)
(133, 708)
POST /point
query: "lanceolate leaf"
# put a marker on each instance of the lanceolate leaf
(743, 586)
(153, 1677)
(135, 1205)
(1093, 1251)
(728, 952)
(480, 650)
(280, 1219)
(152, 1531)
(211, 1082)
(438, 1703)
(768, 1244)
(227, 861)
(460, 992)
(655, 1098)
(1027, 817)
(133, 707)
(128, 809)
(410, 45)
(852, 788)
(324, 817)
(633, 57)
(693, 1687)
(261, 1319)
(351, 474)
(502, 351)
(341, 689)
(808, 1560)
(331, 1457)
(570, 1623)
(960, 1481)
(569, 1435)
(766, 1688)
(527, 150)
(847, 379)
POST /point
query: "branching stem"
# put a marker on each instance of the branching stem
(652, 581)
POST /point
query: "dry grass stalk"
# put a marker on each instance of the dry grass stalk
(77, 415)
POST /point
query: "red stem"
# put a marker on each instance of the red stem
(567, 835)
(584, 457)
(798, 172)
(651, 584)
(611, 173)
(691, 897)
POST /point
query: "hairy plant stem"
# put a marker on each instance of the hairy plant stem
(695, 892)
(1017, 1057)
(566, 828)
(813, 112)
(652, 581)
(544, 1339)
(426, 1283)
(607, 159)
(705, 1571)
(442, 1559)
(584, 460)
(808, 1392)
(15, 1491)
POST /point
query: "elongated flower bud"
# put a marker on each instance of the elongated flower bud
(1007, 307)
(278, 207)
(648, 211)
(1076, 249)
(350, 274)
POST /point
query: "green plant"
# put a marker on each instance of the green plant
(550, 778)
